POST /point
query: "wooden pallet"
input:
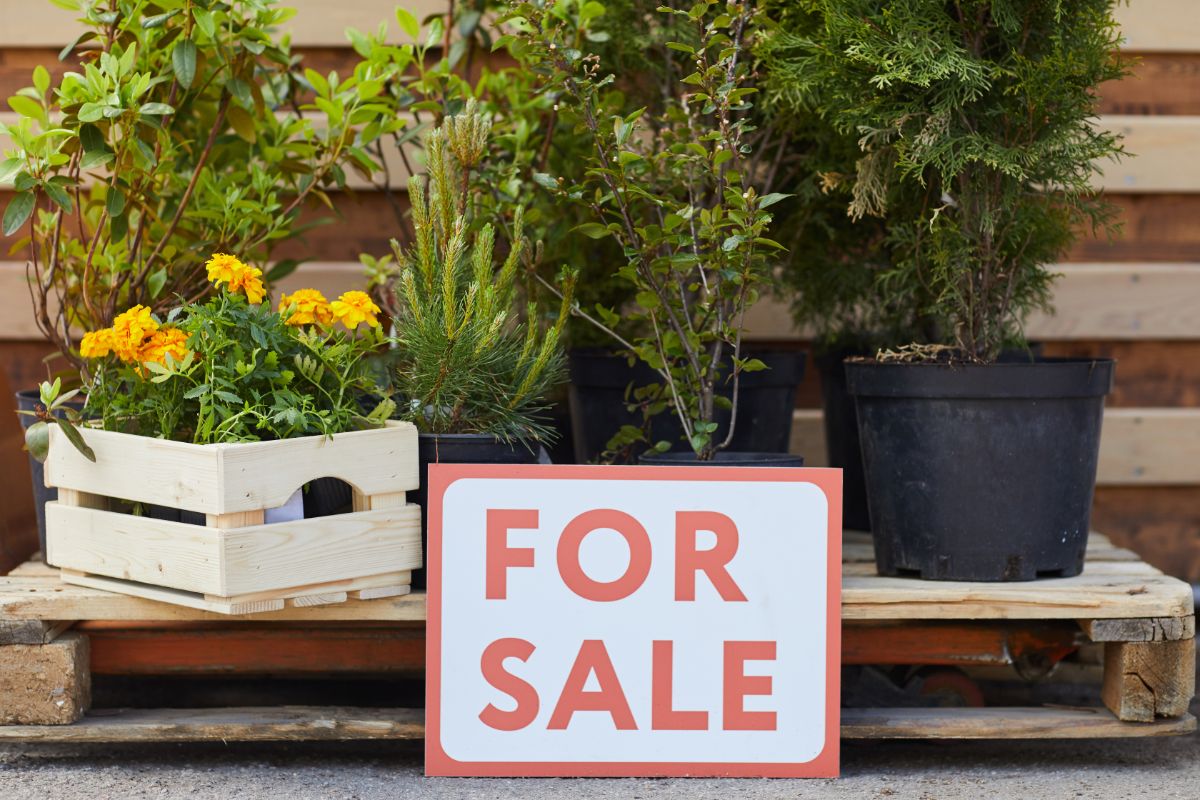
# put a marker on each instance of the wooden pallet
(1142, 620)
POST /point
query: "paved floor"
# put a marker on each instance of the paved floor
(1164, 768)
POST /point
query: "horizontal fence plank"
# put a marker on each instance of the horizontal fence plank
(1138, 446)
(1093, 301)
(1147, 25)
(317, 23)
(1159, 25)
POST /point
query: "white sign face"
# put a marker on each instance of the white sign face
(633, 621)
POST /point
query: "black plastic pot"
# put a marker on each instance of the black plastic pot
(723, 458)
(459, 448)
(841, 437)
(599, 380)
(980, 472)
(29, 400)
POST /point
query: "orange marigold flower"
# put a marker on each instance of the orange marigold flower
(251, 283)
(97, 344)
(164, 342)
(309, 307)
(129, 332)
(354, 308)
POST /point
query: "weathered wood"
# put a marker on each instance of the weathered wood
(264, 724)
(253, 648)
(30, 631)
(45, 684)
(1001, 723)
(40, 598)
(1161, 522)
(1156, 25)
(1145, 680)
(1154, 629)
(301, 723)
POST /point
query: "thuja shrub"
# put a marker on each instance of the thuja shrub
(987, 108)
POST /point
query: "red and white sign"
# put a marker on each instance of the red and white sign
(633, 621)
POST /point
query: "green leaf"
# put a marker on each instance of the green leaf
(408, 23)
(65, 53)
(59, 195)
(157, 21)
(732, 242)
(204, 20)
(41, 79)
(26, 107)
(18, 211)
(590, 11)
(114, 202)
(37, 440)
(771, 199)
(90, 112)
(240, 91)
(543, 179)
(156, 109)
(76, 439)
(753, 365)
(183, 59)
(156, 282)
(592, 230)
(699, 441)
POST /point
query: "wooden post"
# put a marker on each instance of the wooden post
(1144, 680)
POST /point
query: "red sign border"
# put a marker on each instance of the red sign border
(439, 764)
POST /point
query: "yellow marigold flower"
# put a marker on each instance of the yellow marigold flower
(251, 283)
(224, 268)
(164, 341)
(130, 330)
(311, 307)
(97, 344)
(354, 308)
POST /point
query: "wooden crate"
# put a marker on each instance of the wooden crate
(236, 564)
(1142, 620)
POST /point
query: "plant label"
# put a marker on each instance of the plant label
(633, 621)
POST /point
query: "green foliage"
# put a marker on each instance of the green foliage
(55, 409)
(467, 361)
(671, 185)
(247, 376)
(181, 135)
(984, 110)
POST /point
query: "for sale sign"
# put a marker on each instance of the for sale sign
(633, 621)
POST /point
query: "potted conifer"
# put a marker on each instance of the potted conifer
(473, 364)
(977, 468)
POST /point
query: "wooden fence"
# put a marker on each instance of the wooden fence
(1136, 298)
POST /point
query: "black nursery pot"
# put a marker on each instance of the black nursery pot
(980, 472)
(723, 458)
(841, 436)
(599, 378)
(29, 401)
(458, 448)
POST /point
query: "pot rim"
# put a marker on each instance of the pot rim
(1039, 378)
(723, 459)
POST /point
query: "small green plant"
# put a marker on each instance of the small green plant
(673, 186)
(985, 111)
(468, 362)
(55, 409)
(187, 131)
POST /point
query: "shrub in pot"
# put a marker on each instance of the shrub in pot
(976, 468)
(473, 368)
(671, 185)
(180, 136)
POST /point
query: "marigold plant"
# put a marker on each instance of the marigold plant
(231, 369)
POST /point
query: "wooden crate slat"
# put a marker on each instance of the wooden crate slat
(318, 23)
(232, 478)
(1159, 25)
(1138, 446)
(1001, 723)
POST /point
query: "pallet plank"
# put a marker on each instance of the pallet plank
(260, 724)
(1146, 680)
(1153, 629)
(1001, 723)
(307, 723)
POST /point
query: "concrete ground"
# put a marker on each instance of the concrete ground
(1145, 768)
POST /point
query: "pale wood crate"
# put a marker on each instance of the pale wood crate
(236, 564)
